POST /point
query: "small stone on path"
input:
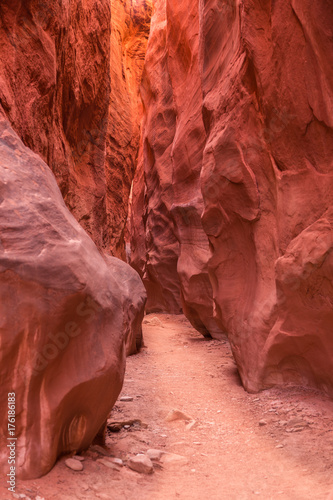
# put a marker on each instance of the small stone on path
(117, 461)
(155, 454)
(153, 322)
(173, 459)
(178, 415)
(99, 449)
(73, 464)
(141, 463)
(126, 399)
(108, 463)
(190, 425)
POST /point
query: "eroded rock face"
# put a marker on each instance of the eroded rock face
(238, 98)
(267, 184)
(55, 90)
(66, 320)
(130, 25)
(161, 247)
(69, 78)
(171, 249)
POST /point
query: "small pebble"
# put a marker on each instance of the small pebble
(106, 462)
(73, 464)
(141, 463)
(117, 461)
(155, 454)
(190, 425)
(99, 449)
(126, 399)
(172, 459)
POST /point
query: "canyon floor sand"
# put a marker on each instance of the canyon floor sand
(272, 445)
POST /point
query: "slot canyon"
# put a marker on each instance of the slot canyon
(166, 249)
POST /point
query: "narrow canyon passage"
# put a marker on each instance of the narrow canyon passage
(227, 454)
(170, 156)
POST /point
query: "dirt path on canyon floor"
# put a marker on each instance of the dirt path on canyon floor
(272, 445)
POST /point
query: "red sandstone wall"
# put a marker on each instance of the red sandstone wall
(171, 248)
(268, 109)
(161, 248)
(240, 95)
(69, 79)
(129, 35)
(54, 88)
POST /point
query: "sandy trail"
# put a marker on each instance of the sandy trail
(230, 456)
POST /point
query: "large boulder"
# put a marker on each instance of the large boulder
(65, 321)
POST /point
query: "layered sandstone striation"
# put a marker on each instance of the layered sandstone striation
(67, 318)
(236, 179)
(69, 79)
(55, 90)
(156, 259)
(130, 25)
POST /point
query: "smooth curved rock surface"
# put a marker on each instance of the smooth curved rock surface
(65, 316)
(134, 299)
(267, 184)
(167, 203)
(238, 99)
